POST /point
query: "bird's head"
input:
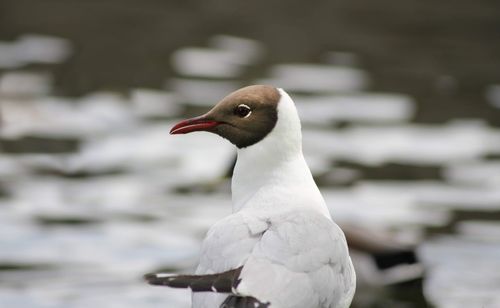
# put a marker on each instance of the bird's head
(244, 117)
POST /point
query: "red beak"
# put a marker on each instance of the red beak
(192, 125)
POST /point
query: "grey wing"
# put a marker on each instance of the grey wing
(302, 260)
(297, 259)
(229, 243)
(227, 246)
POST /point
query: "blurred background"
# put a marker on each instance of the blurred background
(400, 103)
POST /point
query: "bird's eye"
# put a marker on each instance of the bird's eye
(242, 111)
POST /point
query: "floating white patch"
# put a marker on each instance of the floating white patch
(214, 289)
(162, 275)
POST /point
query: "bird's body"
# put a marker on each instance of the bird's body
(286, 263)
(281, 239)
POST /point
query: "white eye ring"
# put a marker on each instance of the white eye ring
(248, 108)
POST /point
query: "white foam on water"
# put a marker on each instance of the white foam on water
(474, 173)
(25, 84)
(128, 247)
(33, 48)
(205, 93)
(89, 287)
(480, 230)
(249, 50)
(154, 103)
(36, 48)
(367, 205)
(10, 167)
(227, 57)
(316, 78)
(63, 117)
(366, 107)
(192, 157)
(461, 272)
(207, 62)
(435, 195)
(415, 144)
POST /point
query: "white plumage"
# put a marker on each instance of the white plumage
(292, 253)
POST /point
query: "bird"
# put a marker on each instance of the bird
(280, 247)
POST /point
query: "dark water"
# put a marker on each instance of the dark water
(444, 54)
(399, 101)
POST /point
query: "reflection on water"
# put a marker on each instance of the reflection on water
(119, 197)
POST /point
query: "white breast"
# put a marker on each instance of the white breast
(273, 175)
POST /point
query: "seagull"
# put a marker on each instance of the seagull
(280, 247)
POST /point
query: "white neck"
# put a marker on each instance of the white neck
(272, 175)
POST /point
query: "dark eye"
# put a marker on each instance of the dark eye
(242, 111)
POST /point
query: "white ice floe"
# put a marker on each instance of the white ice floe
(196, 157)
(318, 163)
(201, 92)
(412, 144)
(249, 50)
(207, 62)
(87, 288)
(102, 265)
(227, 57)
(405, 203)
(460, 197)
(57, 116)
(38, 48)
(372, 205)
(195, 213)
(316, 78)
(33, 48)
(480, 230)
(154, 103)
(10, 167)
(49, 196)
(128, 247)
(461, 272)
(17, 166)
(362, 107)
(24, 83)
(114, 197)
(474, 173)
(437, 196)
(106, 108)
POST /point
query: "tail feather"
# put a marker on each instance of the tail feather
(224, 282)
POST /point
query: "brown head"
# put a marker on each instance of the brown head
(244, 117)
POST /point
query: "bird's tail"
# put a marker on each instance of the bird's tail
(225, 282)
